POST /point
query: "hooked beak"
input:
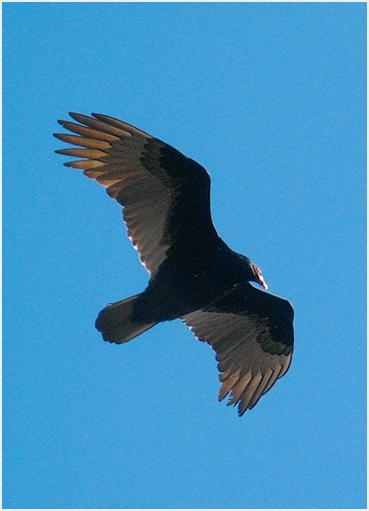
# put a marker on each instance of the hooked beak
(262, 282)
(259, 276)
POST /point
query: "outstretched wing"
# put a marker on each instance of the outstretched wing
(165, 195)
(252, 334)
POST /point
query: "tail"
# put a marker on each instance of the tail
(114, 322)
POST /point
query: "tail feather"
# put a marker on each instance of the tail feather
(114, 322)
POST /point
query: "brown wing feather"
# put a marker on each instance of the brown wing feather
(162, 191)
(251, 332)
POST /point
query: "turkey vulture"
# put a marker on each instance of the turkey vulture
(194, 275)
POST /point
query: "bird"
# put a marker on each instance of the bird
(194, 275)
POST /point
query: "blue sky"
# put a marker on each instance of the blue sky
(270, 99)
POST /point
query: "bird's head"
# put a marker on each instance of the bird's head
(258, 276)
(254, 272)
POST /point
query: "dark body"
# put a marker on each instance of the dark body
(195, 276)
(190, 279)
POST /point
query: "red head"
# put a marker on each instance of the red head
(258, 276)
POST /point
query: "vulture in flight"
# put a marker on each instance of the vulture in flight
(194, 275)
